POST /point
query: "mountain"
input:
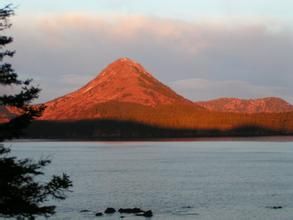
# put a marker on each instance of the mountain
(123, 81)
(263, 105)
(6, 113)
(126, 101)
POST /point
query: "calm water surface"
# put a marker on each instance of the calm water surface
(177, 180)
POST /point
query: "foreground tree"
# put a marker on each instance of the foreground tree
(20, 194)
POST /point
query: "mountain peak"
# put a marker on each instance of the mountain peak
(123, 81)
(124, 66)
(125, 59)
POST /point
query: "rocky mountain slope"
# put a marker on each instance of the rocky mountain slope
(263, 105)
(6, 113)
(123, 81)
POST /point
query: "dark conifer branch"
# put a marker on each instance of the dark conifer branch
(20, 194)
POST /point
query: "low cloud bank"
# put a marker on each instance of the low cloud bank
(237, 58)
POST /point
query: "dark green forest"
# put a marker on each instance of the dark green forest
(127, 120)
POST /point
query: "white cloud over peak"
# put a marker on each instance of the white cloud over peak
(244, 57)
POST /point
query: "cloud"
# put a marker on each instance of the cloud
(5, 90)
(54, 48)
(202, 89)
(74, 79)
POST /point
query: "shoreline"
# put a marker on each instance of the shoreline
(269, 138)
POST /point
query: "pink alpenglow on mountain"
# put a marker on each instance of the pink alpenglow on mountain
(123, 81)
(7, 113)
(125, 87)
(267, 105)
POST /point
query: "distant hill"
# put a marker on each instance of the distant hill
(6, 113)
(267, 105)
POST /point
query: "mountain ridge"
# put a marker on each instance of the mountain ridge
(250, 106)
(125, 90)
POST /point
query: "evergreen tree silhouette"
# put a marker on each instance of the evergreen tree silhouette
(21, 195)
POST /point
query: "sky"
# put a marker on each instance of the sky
(202, 49)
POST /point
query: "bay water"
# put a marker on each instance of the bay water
(200, 179)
